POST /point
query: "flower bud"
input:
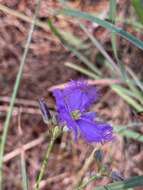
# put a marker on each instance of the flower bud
(98, 155)
(116, 176)
(45, 111)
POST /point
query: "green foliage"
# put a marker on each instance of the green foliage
(136, 181)
(123, 131)
(138, 6)
(24, 173)
(103, 23)
(128, 96)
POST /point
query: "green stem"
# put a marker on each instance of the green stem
(90, 180)
(23, 171)
(83, 170)
(55, 134)
(15, 90)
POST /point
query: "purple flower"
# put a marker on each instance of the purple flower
(73, 103)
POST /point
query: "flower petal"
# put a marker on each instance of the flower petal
(79, 95)
(89, 116)
(95, 132)
(63, 113)
(59, 99)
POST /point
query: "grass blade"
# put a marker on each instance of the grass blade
(129, 133)
(137, 81)
(105, 24)
(127, 98)
(85, 61)
(101, 49)
(112, 11)
(125, 130)
(57, 33)
(15, 90)
(112, 17)
(93, 178)
(81, 70)
(138, 6)
(136, 181)
(23, 172)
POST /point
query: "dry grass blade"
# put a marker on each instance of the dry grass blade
(25, 147)
(104, 82)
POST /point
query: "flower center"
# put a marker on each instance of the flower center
(76, 114)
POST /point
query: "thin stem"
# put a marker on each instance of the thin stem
(46, 159)
(82, 70)
(23, 171)
(100, 47)
(83, 170)
(95, 177)
(15, 90)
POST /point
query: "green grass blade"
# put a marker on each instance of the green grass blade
(112, 17)
(100, 48)
(105, 24)
(129, 133)
(137, 81)
(127, 98)
(136, 181)
(138, 5)
(15, 90)
(81, 70)
(132, 92)
(93, 178)
(137, 94)
(73, 40)
(57, 33)
(23, 172)
(90, 65)
(135, 24)
(112, 11)
(126, 91)
(56, 132)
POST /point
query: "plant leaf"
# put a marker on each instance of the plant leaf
(103, 23)
(138, 6)
(129, 183)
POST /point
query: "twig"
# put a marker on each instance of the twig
(20, 101)
(85, 167)
(53, 179)
(25, 147)
(104, 82)
(25, 110)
